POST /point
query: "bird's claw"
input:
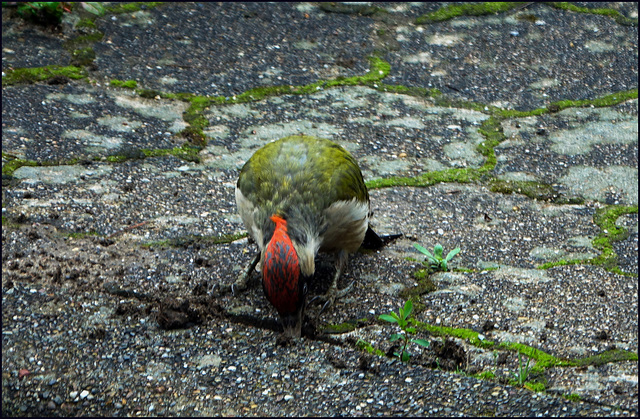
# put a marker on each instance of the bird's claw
(331, 296)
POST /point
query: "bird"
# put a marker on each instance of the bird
(297, 196)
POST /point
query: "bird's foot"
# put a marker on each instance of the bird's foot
(331, 296)
(242, 283)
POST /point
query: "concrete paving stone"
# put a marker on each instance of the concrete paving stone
(118, 244)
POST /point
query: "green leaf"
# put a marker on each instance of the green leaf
(93, 7)
(395, 336)
(405, 356)
(421, 342)
(452, 253)
(437, 251)
(408, 308)
(423, 250)
(392, 318)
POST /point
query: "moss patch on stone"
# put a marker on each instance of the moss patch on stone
(605, 218)
(12, 164)
(534, 190)
(128, 84)
(619, 18)
(469, 335)
(425, 286)
(366, 346)
(467, 9)
(344, 327)
(38, 74)
(132, 7)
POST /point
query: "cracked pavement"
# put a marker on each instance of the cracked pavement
(512, 135)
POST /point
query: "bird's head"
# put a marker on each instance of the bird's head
(284, 284)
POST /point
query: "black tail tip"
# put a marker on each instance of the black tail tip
(373, 241)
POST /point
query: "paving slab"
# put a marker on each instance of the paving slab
(509, 131)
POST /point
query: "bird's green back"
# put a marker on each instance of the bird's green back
(301, 171)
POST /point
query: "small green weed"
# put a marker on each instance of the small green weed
(402, 319)
(435, 261)
(523, 372)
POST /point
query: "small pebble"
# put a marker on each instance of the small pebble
(288, 397)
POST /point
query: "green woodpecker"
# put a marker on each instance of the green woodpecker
(297, 196)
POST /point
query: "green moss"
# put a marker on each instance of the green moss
(619, 18)
(573, 397)
(132, 7)
(543, 359)
(427, 179)
(605, 218)
(485, 375)
(86, 23)
(492, 130)
(535, 386)
(613, 355)
(467, 334)
(13, 164)
(8, 223)
(129, 84)
(534, 190)
(467, 9)
(117, 158)
(411, 91)
(344, 327)
(82, 57)
(604, 101)
(81, 235)
(358, 9)
(38, 74)
(425, 286)
(366, 346)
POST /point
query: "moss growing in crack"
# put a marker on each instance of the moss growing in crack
(573, 397)
(425, 286)
(469, 335)
(619, 18)
(491, 129)
(534, 190)
(543, 359)
(13, 164)
(38, 74)
(131, 7)
(344, 327)
(9, 223)
(485, 375)
(427, 179)
(613, 355)
(411, 91)
(82, 235)
(128, 84)
(82, 57)
(86, 23)
(366, 346)
(600, 102)
(605, 218)
(357, 9)
(467, 9)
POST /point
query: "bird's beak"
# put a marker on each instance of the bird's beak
(292, 323)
